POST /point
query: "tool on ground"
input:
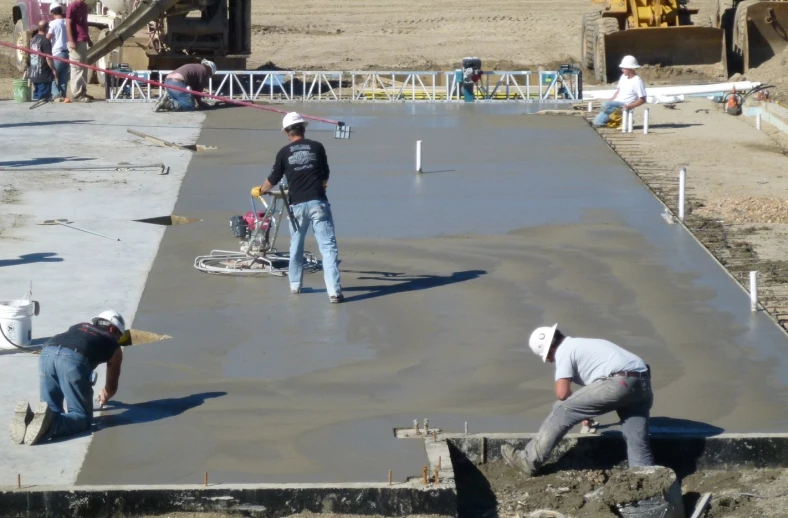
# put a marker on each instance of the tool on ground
(119, 167)
(67, 223)
(345, 133)
(258, 253)
(733, 102)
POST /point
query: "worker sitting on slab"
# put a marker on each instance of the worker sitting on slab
(193, 76)
(66, 365)
(611, 379)
(630, 94)
(305, 165)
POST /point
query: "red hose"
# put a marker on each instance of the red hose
(169, 87)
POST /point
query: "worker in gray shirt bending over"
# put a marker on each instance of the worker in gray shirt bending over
(193, 76)
(611, 379)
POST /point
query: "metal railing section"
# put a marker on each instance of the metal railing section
(364, 86)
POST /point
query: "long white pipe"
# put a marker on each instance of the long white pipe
(592, 95)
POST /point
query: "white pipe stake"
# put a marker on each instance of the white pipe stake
(418, 156)
(631, 121)
(753, 291)
(645, 121)
(682, 184)
(590, 106)
(758, 122)
(624, 119)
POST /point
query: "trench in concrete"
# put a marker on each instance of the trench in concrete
(169, 220)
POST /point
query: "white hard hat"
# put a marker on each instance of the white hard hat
(53, 6)
(291, 119)
(209, 64)
(540, 341)
(629, 62)
(112, 316)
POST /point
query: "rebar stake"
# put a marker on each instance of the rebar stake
(424, 475)
(19, 481)
(206, 478)
(389, 477)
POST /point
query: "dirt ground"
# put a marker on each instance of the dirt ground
(735, 493)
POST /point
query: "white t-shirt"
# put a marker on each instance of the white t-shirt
(57, 28)
(585, 360)
(630, 89)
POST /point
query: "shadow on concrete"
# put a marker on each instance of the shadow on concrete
(151, 411)
(41, 123)
(43, 161)
(475, 496)
(42, 257)
(439, 171)
(402, 282)
(673, 425)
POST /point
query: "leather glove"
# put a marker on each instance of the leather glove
(256, 191)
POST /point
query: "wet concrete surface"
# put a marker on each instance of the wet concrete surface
(518, 220)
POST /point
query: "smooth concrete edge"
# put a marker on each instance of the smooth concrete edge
(439, 457)
(774, 114)
(684, 454)
(270, 502)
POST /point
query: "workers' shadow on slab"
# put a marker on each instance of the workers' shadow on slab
(475, 496)
(41, 123)
(674, 425)
(42, 257)
(677, 125)
(151, 411)
(403, 282)
(43, 161)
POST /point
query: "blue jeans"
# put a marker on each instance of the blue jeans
(181, 101)
(42, 90)
(630, 397)
(608, 107)
(66, 374)
(318, 213)
(60, 86)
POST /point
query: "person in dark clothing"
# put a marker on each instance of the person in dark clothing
(66, 365)
(193, 76)
(305, 165)
(42, 69)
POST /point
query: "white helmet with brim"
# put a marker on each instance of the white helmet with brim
(113, 317)
(541, 340)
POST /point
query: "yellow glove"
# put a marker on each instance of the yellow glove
(256, 191)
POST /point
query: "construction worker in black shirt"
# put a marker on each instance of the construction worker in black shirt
(303, 162)
(66, 365)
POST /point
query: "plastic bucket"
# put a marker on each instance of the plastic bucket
(16, 322)
(21, 91)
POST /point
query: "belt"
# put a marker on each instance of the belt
(69, 347)
(632, 374)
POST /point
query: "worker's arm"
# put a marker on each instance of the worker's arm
(72, 43)
(51, 63)
(113, 377)
(631, 106)
(563, 388)
(614, 95)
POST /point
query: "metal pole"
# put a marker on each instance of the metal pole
(758, 122)
(645, 121)
(682, 184)
(754, 291)
(624, 119)
(631, 121)
(418, 156)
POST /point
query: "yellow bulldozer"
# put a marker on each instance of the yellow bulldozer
(670, 32)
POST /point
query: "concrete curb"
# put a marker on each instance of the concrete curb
(270, 500)
(684, 454)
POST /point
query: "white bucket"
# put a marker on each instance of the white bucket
(16, 322)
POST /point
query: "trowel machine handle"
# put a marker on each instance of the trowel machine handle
(290, 214)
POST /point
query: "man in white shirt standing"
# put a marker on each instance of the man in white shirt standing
(59, 38)
(630, 94)
(612, 379)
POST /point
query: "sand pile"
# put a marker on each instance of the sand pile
(746, 210)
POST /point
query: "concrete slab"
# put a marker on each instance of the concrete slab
(76, 275)
(518, 221)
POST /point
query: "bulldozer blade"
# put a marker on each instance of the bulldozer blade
(766, 34)
(666, 46)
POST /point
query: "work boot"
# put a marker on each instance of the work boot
(82, 99)
(336, 299)
(22, 417)
(163, 104)
(516, 460)
(40, 425)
